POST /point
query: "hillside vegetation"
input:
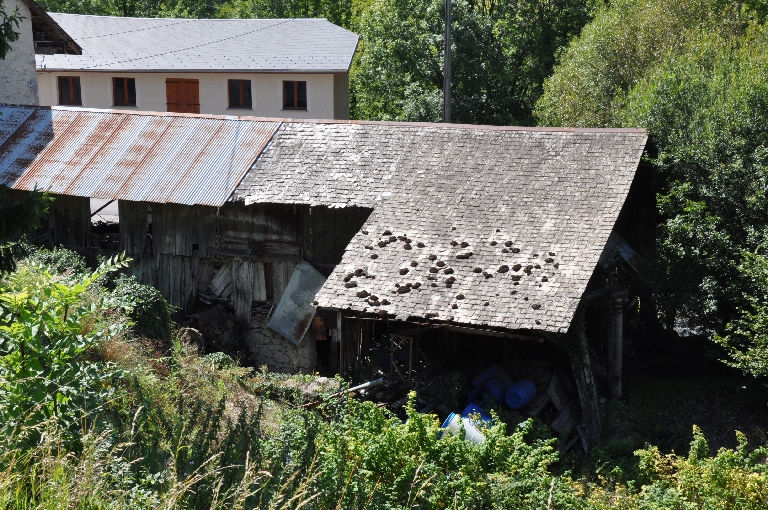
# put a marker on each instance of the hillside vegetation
(95, 415)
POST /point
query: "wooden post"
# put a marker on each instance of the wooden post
(618, 301)
(447, 65)
(578, 352)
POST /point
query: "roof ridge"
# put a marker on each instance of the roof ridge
(285, 120)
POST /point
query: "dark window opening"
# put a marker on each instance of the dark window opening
(195, 247)
(294, 95)
(124, 91)
(240, 94)
(69, 91)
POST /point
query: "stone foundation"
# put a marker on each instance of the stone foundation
(279, 354)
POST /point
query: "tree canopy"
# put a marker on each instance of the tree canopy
(695, 74)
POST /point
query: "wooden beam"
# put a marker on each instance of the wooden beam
(618, 302)
(578, 352)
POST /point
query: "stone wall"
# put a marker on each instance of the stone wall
(279, 354)
(18, 77)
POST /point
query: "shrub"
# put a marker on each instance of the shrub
(46, 327)
(58, 260)
(147, 308)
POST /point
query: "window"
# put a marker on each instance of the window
(240, 94)
(182, 95)
(69, 91)
(294, 95)
(124, 91)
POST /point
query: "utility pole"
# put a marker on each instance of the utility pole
(447, 65)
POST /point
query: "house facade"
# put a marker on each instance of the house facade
(287, 68)
(18, 81)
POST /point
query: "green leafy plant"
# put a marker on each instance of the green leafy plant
(46, 328)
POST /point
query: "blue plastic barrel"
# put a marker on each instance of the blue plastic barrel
(520, 394)
(496, 388)
(493, 371)
(476, 409)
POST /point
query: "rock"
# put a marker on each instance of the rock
(403, 270)
(440, 263)
(448, 270)
(515, 250)
(374, 256)
(536, 306)
(432, 257)
(362, 294)
(350, 285)
(459, 296)
(508, 244)
(193, 339)
(386, 233)
(502, 269)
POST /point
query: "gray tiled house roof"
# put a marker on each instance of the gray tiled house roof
(203, 45)
(497, 227)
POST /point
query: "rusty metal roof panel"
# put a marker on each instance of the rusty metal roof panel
(161, 158)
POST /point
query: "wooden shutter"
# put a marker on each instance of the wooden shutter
(173, 95)
(191, 96)
(182, 95)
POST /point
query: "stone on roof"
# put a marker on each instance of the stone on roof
(202, 45)
(480, 226)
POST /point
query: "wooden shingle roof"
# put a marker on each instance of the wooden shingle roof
(497, 227)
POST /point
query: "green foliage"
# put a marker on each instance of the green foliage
(501, 53)
(746, 338)
(707, 112)
(58, 261)
(147, 308)
(46, 327)
(694, 73)
(626, 40)
(20, 218)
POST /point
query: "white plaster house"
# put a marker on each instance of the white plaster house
(295, 68)
(18, 81)
(38, 33)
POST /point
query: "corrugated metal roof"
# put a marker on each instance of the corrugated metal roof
(203, 45)
(182, 159)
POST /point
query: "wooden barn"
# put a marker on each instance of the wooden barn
(437, 241)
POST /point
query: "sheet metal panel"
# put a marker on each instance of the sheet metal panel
(295, 310)
(128, 156)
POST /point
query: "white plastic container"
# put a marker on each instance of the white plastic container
(452, 426)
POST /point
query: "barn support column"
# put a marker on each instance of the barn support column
(618, 302)
(578, 352)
